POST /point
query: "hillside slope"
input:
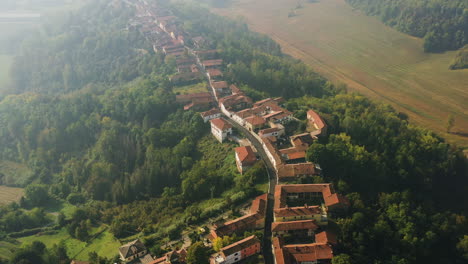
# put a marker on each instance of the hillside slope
(347, 46)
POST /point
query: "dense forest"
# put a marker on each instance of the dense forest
(93, 115)
(443, 24)
(461, 59)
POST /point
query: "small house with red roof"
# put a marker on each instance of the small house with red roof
(245, 158)
(316, 124)
(237, 251)
(220, 128)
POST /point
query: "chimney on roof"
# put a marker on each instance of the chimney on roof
(306, 206)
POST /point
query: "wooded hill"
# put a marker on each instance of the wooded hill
(443, 24)
(106, 132)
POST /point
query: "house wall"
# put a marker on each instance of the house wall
(233, 258)
(252, 250)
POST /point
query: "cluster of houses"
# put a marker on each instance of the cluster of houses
(299, 229)
(135, 252)
(300, 211)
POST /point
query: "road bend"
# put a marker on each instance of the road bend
(272, 177)
(267, 244)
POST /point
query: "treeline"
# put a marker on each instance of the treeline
(461, 59)
(397, 177)
(254, 59)
(87, 46)
(443, 24)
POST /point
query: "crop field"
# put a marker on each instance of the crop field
(10, 194)
(190, 89)
(373, 59)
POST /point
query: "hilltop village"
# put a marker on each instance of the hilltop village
(293, 217)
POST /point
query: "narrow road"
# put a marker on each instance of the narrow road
(267, 244)
(272, 177)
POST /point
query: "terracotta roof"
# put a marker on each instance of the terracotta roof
(297, 155)
(309, 252)
(295, 170)
(246, 154)
(302, 139)
(281, 257)
(255, 120)
(273, 151)
(268, 131)
(214, 72)
(234, 89)
(313, 116)
(219, 85)
(257, 212)
(221, 124)
(294, 225)
(259, 103)
(298, 211)
(239, 245)
(259, 204)
(209, 63)
(326, 237)
(330, 198)
(213, 111)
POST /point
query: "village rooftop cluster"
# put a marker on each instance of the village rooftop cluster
(301, 211)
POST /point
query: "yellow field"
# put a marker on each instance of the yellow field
(347, 46)
(10, 194)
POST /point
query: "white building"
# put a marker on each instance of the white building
(211, 114)
(220, 128)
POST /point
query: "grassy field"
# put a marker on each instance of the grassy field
(190, 89)
(105, 244)
(10, 194)
(347, 46)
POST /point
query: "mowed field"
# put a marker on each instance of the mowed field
(10, 194)
(347, 46)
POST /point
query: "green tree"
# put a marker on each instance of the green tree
(37, 194)
(198, 254)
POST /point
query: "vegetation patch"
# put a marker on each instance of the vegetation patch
(461, 59)
(13, 173)
(190, 89)
(10, 194)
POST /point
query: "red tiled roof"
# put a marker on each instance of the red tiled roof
(329, 197)
(221, 124)
(259, 204)
(214, 72)
(239, 245)
(255, 120)
(281, 256)
(234, 89)
(298, 211)
(219, 85)
(268, 131)
(209, 63)
(246, 154)
(311, 114)
(257, 211)
(295, 170)
(210, 112)
(297, 155)
(294, 225)
(326, 237)
(309, 252)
